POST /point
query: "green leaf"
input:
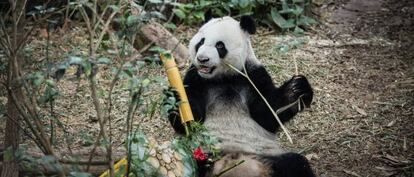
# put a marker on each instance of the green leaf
(297, 1)
(50, 82)
(290, 23)
(285, 5)
(74, 60)
(114, 8)
(171, 26)
(145, 82)
(199, 15)
(179, 13)
(280, 21)
(104, 60)
(297, 10)
(132, 19)
(155, 1)
(155, 14)
(262, 2)
(298, 31)
(79, 174)
(50, 94)
(87, 67)
(37, 78)
(304, 20)
(157, 49)
(244, 3)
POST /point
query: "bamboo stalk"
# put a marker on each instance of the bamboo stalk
(176, 82)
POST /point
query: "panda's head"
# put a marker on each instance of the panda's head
(220, 41)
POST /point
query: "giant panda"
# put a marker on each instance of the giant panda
(230, 108)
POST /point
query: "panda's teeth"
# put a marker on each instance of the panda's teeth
(204, 69)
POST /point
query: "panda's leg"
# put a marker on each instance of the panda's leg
(284, 165)
(289, 165)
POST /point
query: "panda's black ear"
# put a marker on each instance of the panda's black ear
(208, 15)
(247, 24)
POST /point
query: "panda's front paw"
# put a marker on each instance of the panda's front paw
(299, 87)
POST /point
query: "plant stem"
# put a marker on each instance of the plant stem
(230, 168)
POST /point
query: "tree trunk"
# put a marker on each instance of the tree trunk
(10, 167)
(12, 134)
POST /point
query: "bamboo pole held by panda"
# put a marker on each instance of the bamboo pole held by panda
(176, 82)
(120, 164)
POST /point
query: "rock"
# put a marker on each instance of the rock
(166, 158)
(178, 170)
(154, 162)
(177, 156)
(153, 152)
(163, 171)
(171, 174)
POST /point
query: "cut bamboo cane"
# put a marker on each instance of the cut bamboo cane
(176, 82)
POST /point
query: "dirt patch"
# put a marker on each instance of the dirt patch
(361, 64)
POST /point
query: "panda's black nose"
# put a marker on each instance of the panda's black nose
(203, 59)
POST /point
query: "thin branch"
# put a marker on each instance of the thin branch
(105, 30)
(22, 11)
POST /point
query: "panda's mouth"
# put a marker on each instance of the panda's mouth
(206, 69)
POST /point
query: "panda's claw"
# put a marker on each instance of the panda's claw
(299, 87)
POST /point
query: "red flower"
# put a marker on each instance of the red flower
(199, 155)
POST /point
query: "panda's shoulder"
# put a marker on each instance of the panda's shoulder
(256, 70)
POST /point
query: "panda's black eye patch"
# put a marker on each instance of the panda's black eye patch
(199, 44)
(221, 49)
(219, 45)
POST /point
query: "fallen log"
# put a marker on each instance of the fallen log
(75, 161)
(154, 32)
(161, 156)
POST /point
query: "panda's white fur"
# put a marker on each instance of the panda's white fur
(232, 124)
(232, 110)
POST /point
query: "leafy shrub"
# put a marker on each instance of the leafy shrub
(283, 14)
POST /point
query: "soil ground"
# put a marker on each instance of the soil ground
(360, 61)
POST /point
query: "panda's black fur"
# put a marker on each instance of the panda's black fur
(247, 134)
